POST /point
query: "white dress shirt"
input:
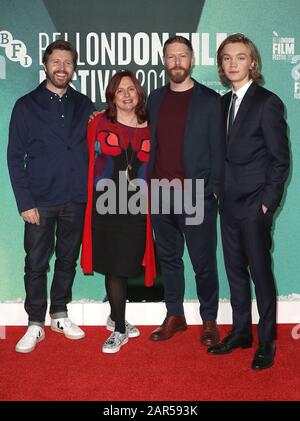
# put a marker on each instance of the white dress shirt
(240, 93)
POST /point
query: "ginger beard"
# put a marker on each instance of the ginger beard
(178, 74)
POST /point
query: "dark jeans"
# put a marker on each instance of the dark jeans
(201, 240)
(60, 230)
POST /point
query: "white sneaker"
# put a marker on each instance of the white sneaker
(33, 335)
(132, 331)
(67, 327)
(114, 342)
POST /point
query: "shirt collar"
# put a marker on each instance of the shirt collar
(241, 92)
(51, 95)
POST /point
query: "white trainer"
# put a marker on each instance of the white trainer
(114, 342)
(33, 335)
(132, 331)
(67, 327)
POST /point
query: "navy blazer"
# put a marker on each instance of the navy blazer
(203, 151)
(47, 162)
(257, 153)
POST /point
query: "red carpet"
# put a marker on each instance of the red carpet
(177, 370)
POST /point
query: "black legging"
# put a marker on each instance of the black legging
(116, 289)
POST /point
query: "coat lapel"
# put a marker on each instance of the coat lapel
(153, 112)
(193, 108)
(156, 106)
(243, 110)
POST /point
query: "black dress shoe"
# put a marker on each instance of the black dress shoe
(264, 356)
(231, 342)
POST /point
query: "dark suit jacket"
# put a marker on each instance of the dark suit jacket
(257, 153)
(55, 155)
(203, 152)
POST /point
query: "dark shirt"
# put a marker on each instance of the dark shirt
(47, 153)
(171, 122)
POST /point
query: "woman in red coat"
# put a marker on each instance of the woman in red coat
(117, 242)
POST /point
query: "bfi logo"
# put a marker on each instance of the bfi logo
(2, 68)
(15, 50)
(283, 47)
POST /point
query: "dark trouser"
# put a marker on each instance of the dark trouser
(247, 243)
(170, 232)
(66, 223)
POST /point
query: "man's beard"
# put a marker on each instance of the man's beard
(55, 82)
(177, 77)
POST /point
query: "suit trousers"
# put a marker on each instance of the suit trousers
(60, 230)
(170, 232)
(246, 247)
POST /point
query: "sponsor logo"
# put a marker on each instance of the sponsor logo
(296, 75)
(283, 47)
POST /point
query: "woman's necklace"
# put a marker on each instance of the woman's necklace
(130, 162)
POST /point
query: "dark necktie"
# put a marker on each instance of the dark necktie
(231, 113)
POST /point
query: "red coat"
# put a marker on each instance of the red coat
(86, 260)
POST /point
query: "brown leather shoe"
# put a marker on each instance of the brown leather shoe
(210, 334)
(170, 326)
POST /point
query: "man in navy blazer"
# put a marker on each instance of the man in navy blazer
(186, 143)
(47, 161)
(256, 168)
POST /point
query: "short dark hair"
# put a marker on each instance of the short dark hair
(180, 39)
(60, 44)
(113, 84)
(254, 73)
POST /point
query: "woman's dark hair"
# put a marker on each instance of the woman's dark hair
(60, 44)
(254, 73)
(113, 84)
